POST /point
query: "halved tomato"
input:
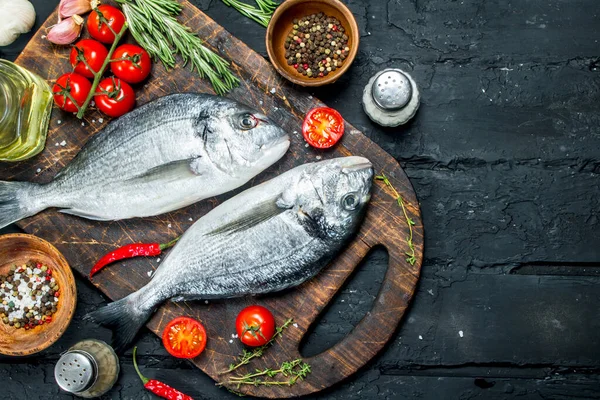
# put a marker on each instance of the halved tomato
(184, 337)
(323, 127)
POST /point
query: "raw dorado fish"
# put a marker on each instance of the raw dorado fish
(268, 238)
(165, 155)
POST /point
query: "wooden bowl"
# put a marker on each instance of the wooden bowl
(17, 249)
(281, 24)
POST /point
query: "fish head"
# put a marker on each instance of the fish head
(334, 195)
(244, 141)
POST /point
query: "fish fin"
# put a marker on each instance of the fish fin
(261, 213)
(124, 318)
(83, 214)
(174, 170)
(12, 208)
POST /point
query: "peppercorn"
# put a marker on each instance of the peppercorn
(311, 39)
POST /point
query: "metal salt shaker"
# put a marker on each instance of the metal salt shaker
(391, 97)
(88, 369)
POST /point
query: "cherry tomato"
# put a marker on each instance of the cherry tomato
(68, 88)
(255, 326)
(184, 337)
(101, 18)
(114, 97)
(132, 63)
(94, 53)
(323, 127)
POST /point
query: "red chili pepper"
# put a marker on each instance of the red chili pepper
(158, 388)
(130, 251)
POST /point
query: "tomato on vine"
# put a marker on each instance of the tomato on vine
(105, 22)
(70, 91)
(87, 57)
(131, 63)
(114, 97)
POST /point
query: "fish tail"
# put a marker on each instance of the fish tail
(124, 318)
(17, 201)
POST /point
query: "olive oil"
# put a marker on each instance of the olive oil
(25, 107)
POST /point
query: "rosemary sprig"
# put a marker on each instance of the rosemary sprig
(262, 14)
(293, 370)
(247, 356)
(411, 258)
(154, 25)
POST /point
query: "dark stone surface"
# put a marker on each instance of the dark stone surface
(504, 155)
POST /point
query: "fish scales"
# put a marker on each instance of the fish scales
(164, 155)
(266, 239)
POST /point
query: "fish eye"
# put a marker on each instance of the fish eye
(248, 121)
(350, 201)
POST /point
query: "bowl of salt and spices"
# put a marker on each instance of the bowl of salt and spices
(37, 294)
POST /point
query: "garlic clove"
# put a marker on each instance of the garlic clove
(19, 18)
(68, 8)
(66, 31)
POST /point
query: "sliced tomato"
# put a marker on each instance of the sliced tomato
(255, 325)
(323, 127)
(184, 337)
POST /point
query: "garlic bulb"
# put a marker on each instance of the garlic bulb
(19, 17)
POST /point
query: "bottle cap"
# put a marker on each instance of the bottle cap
(392, 90)
(391, 97)
(76, 371)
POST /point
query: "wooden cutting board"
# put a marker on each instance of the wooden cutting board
(83, 241)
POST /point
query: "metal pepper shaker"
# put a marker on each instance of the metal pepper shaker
(391, 97)
(88, 369)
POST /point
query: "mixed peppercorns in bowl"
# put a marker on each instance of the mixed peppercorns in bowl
(312, 42)
(37, 294)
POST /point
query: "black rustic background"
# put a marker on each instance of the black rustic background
(504, 155)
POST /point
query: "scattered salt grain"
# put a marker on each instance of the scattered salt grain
(233, 335)
(295, 325)
(38, 170)
(306, 145)
(460, 333)
(430, 291)
(59, 122)
(149, 273)
(168, 226)
(230, 340)
(43, 36)
(56, 144)
(158, 259)
(93, 121)
(319, 157)
(261, 102)
(191, 219)
(101, 120)
(63, 143)
(92, 103)
(205, 301)
(273, 90)
(420, 337)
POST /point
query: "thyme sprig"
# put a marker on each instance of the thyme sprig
(411, 257)
(154, 25)
(293, 370)
(247, 356)
(262, 14)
